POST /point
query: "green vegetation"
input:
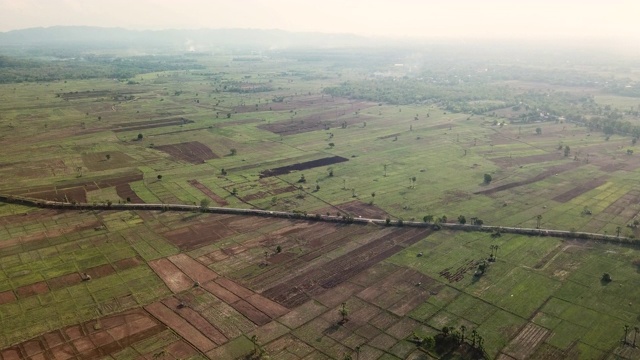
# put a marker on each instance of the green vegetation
(456, 140)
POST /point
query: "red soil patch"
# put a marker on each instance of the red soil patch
(210, 194)
(74, 191)
(303, 166)
(294, 292)
(7, 297)
(197, 235)
(193, 152)
(100, 271)
(31, 217)
(124, 191)
(64, 281)
(87, 340)
(551, 171)
(358, 208)
(180, 326)
(581, 189)
(32, 289)
(128, 263)
(175, 279)
(140, 125)
(195, 319)
(192, 268)
(250, 312)
(220, 292)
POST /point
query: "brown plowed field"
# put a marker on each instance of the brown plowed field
(75, 190)
(314, 122)
(294, 291)
(551, 171)
(526, 342)
(140, 125)
(124, 191)
(199, 234)
(303, 166)
(524, 160)
(88, 341)
(195, 319)
(192, 268)
(175, 279)
(581, 189)
(98, 161)
(210, 194)
(181, 326)
(193, 152)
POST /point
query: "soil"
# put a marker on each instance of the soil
(181, 326)
(581, 189)
(545, 174)
(32, 289)
(140, 125)
(199, 234)
(124, 191)
(193, 269)
(193, 152)
(98, 161)
(294, 292)
(75, 190)
(526, 342)
(303, 166)
(210, 194)
(88, 341)
(175, 279)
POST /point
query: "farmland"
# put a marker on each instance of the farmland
(324, 137)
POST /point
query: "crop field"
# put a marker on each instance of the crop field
(114, 284)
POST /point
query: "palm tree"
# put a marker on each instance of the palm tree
(538, 218)
(626, 331)
(385, 170)
(344, 312)
(474, 336)
(618, 229)
(635, 333)
(462, 330)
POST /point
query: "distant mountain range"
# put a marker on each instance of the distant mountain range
(88, 37)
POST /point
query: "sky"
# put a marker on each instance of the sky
(509, 19)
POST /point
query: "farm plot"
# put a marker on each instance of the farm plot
(295, 291)
(89, 340)
(75, 191)
(151, 124)
(581, 189)
(545, 174)
(125, 192)
(107, 160)
(210, 194)
(303, 166)
(193, 152)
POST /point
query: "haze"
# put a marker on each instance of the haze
(508, 19)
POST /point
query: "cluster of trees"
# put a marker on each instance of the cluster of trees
(451, 340)
(17, 70)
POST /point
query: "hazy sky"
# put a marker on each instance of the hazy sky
(415, 18)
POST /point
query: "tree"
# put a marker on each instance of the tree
(331, 145)
(233, 151)
(108, 156)
(428, 218)
(302, 179)
(385, 169)
(159, 177)
(606, 278)
(413, 182)
(538, 219)
(487, 178)
(629, 152)
(618, 229)
(330, 172)
(234, 192)
(567, 150)
(538, 131)
(344, 313)
(373, 196)
(462, 220)
(626, 332)
(204, 203)
(635, 333)
(462, 330)
(140, 136)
